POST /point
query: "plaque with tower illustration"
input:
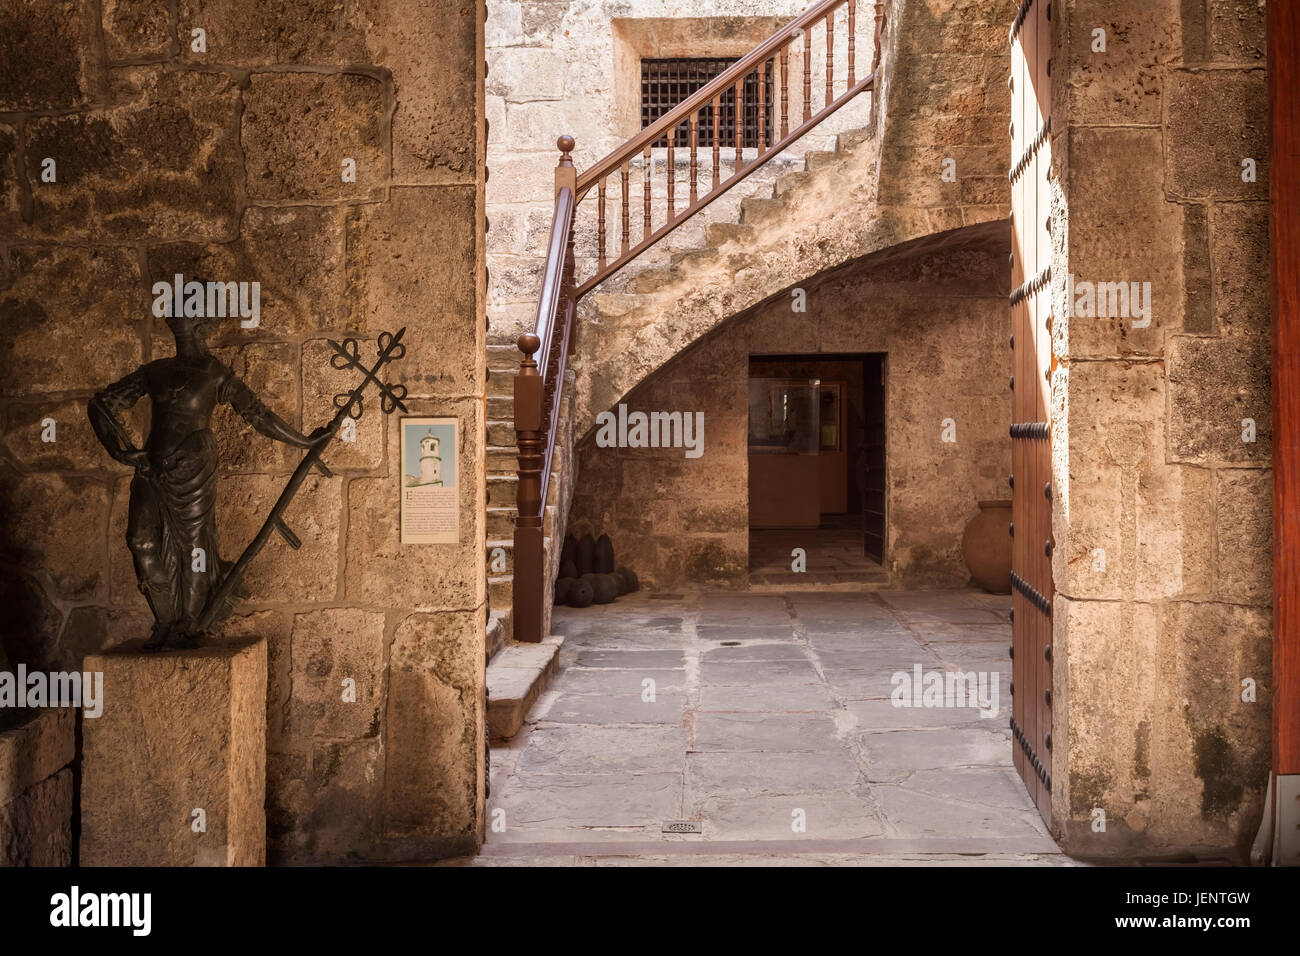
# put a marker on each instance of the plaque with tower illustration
(430, 503)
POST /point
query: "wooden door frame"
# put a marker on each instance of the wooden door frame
(1279, 839)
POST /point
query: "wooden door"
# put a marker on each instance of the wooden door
(1031, 431)
(873, 457)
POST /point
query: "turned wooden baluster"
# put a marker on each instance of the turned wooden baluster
(645, 195)
(806, 53)
(695, 166)
(853, 5)
(626, 216)
(740, 122)
(601, 220)
(717, 137)
(785, 91)
(672, 175)
(762, 108)
(880, 23)
(830, 57)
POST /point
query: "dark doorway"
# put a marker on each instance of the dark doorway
(871, 468)
(817, 469)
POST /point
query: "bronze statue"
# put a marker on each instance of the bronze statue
(171, 524)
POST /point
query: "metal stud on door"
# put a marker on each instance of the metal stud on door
(1031, 431)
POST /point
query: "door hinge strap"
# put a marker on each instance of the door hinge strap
(1028, 155)
(1019, 21)
(1040, 770)
(1033, 596)
(1031, 430)
(1030, 286)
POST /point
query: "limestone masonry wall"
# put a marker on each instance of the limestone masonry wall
(130, 151)
(1163, 563)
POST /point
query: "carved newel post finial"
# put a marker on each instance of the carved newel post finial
(529, 343)
(565, 144)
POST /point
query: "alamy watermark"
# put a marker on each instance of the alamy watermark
(133, 911)
(946, 689)
(653, 430)
(1109, 300)
(209, 299)
(23, 688)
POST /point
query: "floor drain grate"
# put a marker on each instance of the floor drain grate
(683, 826)
(730, 643)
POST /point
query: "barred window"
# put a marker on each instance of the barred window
(667, 82)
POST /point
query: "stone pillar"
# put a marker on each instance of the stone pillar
(174, 770)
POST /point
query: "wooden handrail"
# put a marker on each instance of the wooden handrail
(704, 96)
(539, 383)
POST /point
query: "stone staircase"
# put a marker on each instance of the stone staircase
(701, 268)
(517, 673)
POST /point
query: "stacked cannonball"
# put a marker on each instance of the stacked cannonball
(587, 574)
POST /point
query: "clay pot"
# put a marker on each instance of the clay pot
(986, 547)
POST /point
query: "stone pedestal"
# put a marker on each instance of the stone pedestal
(182, 731)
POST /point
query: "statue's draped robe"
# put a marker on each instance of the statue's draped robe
(174, 504)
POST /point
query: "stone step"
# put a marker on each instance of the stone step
(501, 408)
(500, 589)
(819, 159)
(755, 208)
(502, 459)
(496, 635)
(505, 629)
(503, 357)
(500, 433)
(788, 182)
(852, 137)
(507, 546)
(617, 303)
(652, 280)
(695, 259)
(503, 489)
(717, 233)
(516, 677)
(501, 521)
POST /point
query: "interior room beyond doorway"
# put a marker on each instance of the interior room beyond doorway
(817, 469)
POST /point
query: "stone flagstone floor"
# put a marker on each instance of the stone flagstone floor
(767, 710)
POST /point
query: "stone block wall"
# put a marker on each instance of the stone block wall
(939, 315)
(130, 151)
(1162, 443)
(36, 748)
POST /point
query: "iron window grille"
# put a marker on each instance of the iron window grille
(667, 82)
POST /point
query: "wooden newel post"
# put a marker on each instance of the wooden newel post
(565, 174)
(530, 437)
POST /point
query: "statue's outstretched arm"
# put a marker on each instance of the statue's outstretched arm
(110, 402)
(251, 409)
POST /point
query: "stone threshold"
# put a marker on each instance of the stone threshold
(959, 846)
